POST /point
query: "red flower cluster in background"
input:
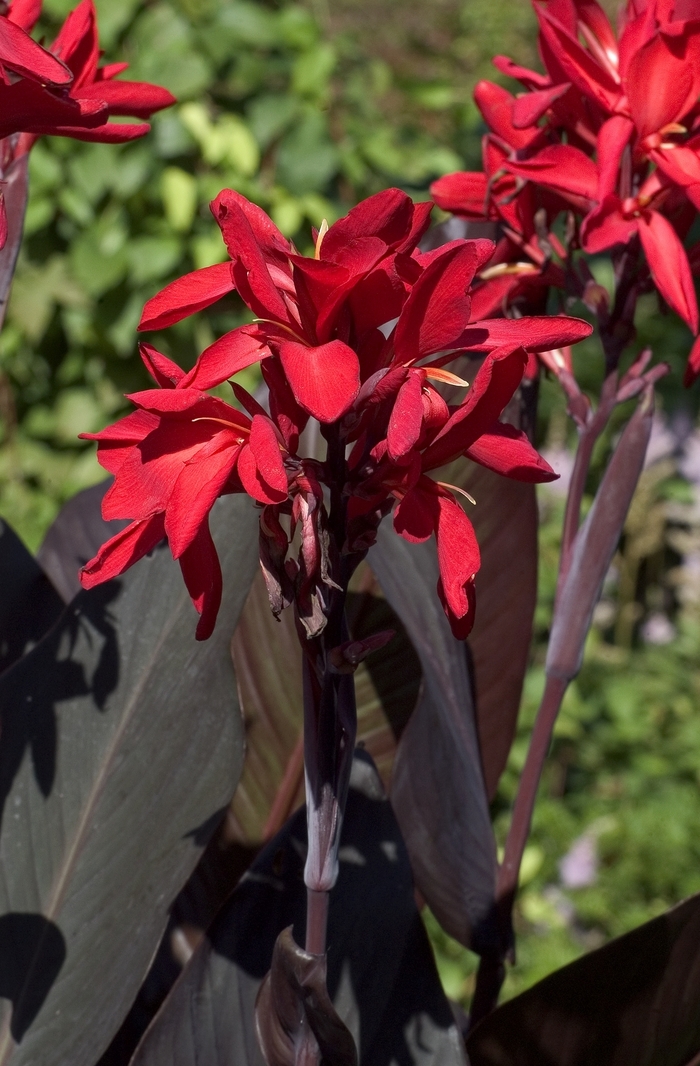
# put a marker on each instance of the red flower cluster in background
(356, 336)
(63, 90)
(610, 134)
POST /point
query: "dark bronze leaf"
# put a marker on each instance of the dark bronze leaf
(29, 603)
(121, 748)
(75, 537)
(635, 1000)
(381, 974)
(293, 1008)
(437, 786)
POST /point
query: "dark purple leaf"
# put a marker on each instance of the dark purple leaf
(75, 537)
(505, 520)
(293, 1010)
(121, 747)
(437, 786)
(381, 974)
(635, 1000)
(29, 604)
(595, 545)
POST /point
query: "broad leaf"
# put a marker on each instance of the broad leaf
(29, 604)
(121, 741)
(437, 786)
(381, 974)
(75, 537)
(636, 1000)
(505, 519)
(14, 190)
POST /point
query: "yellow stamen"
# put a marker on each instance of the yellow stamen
(222, 421)
(322, 231)
(456, 488)
(281, 325)
(502, 269)
(436, 373)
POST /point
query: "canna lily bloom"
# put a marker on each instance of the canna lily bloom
(171, 459)
(93, 94)
(309, 312)
(518, 266)
(63, 91)
(621, 158)
(358, 337)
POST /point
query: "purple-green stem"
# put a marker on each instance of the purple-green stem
(316, 921)
(491, 973)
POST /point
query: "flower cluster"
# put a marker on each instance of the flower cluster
(63, 90)
(356, 336)
(610, 135)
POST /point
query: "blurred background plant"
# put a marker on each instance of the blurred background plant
(306, 108)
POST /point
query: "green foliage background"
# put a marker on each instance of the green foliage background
(306, 108)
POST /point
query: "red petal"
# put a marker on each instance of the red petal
(122, 550)
(25, 13)
(221, 360)
(199, 484)
(186, 296)
(605, 227)
(580, 66)
(458, 553)
(387, 215)
(613, 137)
(137, 98)
(274, 247)
(531, 79)
(654, 65)
(496, 105)
(321, 287)
(669, 266)
(489, 297)
(508, 451)
(77, 43)
(265, 446)
(437, 311)
(325, 380)
(529, 109)
(23, 55)
(463, 193)
(461, 627)
(406, 417)
(682, 165)
(561, 167)
(537, 333)
(250, 266)
(253, 482)
(496, 381)
(202, 573)
(284, 410)
(415, 517)
(110, 133)
(117, 441)
(163, 371)
(420, 223)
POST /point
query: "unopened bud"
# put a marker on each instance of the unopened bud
(595, 297)
(347, 657)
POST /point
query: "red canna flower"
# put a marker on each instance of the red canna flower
(63, 91)
(356, 337)
(590, 135)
